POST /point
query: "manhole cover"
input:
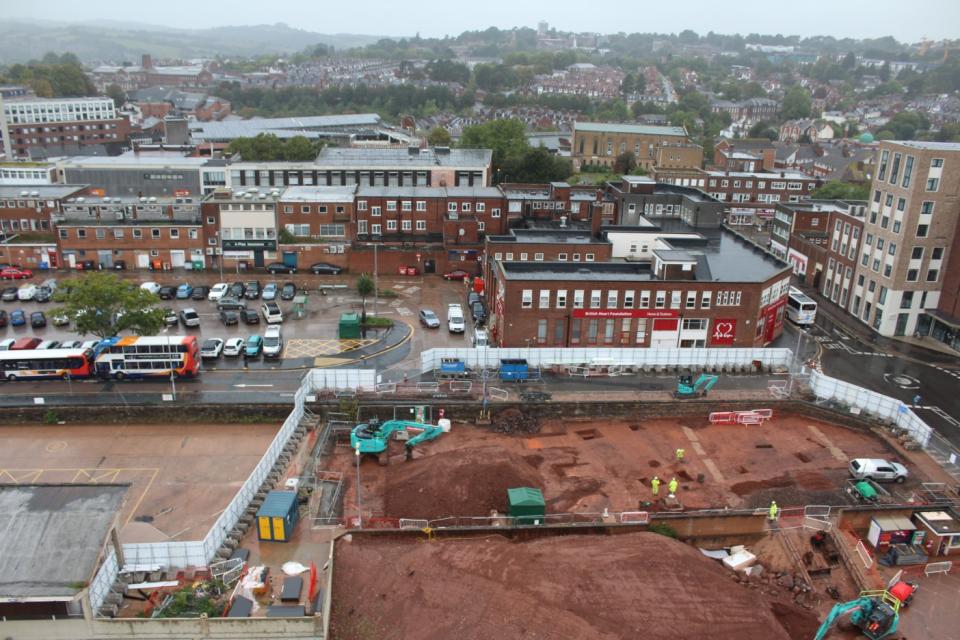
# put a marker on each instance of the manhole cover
(902, 380)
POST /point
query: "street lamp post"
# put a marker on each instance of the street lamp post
(359, 503)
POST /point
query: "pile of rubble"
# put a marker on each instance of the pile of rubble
(512, 421)
(778, 585)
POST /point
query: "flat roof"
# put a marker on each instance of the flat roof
(135, 161)
(363, 158)
(428, 192)
(641, 129)
(933, 146)
(51, 536)
(318, 194)
(281, 127)
(548, 236)
(43, 191)
(760, 175)
(586, 271)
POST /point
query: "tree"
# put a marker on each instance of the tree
(365, 287)
(104, 305)
(118, 94)
(507, 138)
(763, 129)
(837, 190)
(624, 163)
(299, 149)
(796, 104)
(439, 137)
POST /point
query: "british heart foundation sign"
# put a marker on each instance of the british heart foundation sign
(724, 331)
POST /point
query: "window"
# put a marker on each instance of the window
(523, 255)
(705, 300)
(526, 299)
(608, 328)
(884, 158)
(879, 244)
(375, 211)
(641, 330)
(612, 299)
(906, 301)
(561, 299)
(628, 299)
(211, 220)
(691, 300)
(926, 208)
(882, 298)
(391, 205)
(595, 299)
(451, 207)
(889, 201)
(495, 213)
(895, 168)
(932, 275)
(901, 204)
(481, 207)
(392, 225)
(375, 229)
(361, 205)
(937, 253)
(661, 299)
(421, 225)
(561, 257)
(538, 257)
(936, 163)
(305, 208)
(421, 205)
(922, 230)
(544, 299)
(912, 275)
(592, 331)
(465, 206)
(406, 225)
(481, 225)
(589, 257)
(575, 325)
(892, 249)
(174, 233)
(192, 234)
(101, 234)
(933, 184)
(288, 209)
(155, 234)
(694, 324)
(917, 253)
(541, 331)
(63, 234)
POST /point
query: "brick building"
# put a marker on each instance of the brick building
(54, 126)
(27, 218)
(599, 143)
(147, 74)
(745, 155)
(639, 197)
(320, 220)
(716, 291)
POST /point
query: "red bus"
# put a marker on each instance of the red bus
(137, 357)
(45, 364)
(23, 344)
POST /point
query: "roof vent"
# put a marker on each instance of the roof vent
(563, 222)
(34, 193)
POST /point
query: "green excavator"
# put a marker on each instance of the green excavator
(875, 613)
(372, 438)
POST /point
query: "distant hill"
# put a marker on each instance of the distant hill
(22, 40)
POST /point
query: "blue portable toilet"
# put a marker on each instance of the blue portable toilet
(277, 516)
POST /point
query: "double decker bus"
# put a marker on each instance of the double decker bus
(137, 357)
(801, 308)
(46, 364)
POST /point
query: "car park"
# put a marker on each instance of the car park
(152, 287)
(279, 267)
(170, 317)
(13, 273)
(9, 294)
(228, 317)
(272, 313)
(166, 293)
(26, 292)
(217, 291)
(251, 289)
(231, 303)
(233, 346)
(253, 347)
(429, 319)
(269, 291)
(250, 316)
(190, 317)
(18, 318)
(325, 268)
(184, 291)
(288, 291)
(237, 289)
(272, 342)
(211, 348)
(38, 320)
(878, 469)
(200, 292)
(456, 274)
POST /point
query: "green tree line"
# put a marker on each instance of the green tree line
(52, 77)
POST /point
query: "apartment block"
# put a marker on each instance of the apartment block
(53, 126)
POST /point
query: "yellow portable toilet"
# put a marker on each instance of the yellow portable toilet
(277, 516)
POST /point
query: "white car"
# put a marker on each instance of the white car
(190, 317)
(455, 322)
(272, 313)
(272, 342)
(217, 291)
(152, 287)
(233, 347)
(878, 469)
(211, 348)
(26, 292)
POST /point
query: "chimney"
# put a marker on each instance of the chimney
(596, 219)
(146, 61)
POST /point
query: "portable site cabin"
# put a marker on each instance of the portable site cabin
(277, 516)
(527, 505)
(349, 325)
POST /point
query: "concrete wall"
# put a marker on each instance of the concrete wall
(159, 629)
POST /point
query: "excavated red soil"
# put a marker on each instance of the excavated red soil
(639, 585)
(454, 483)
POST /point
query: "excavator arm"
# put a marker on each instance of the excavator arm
(840, 610)
(429, 433)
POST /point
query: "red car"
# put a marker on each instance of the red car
(13, 273)
(456, 274)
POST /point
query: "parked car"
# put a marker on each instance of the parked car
(26, 292)
(60, 320)
(70, 344)
(878, 469)
(200, 292)
(231, 303)
(473, 297)
(190, 317)
(237, 289)
(252, 289)
(38, 320)
(233, 346)
(288, 291)
(228, 317)
(6, 344)
(166, 293)
(13, 273)
(253, 347)
(272, 342)
(170, 317)
(455, 322)
(119, 265)
(479, 312)
(184, 291)
(45, 291)
(480, 339)
(48, 344)
(3, 318)
(25, 344)
(9, 294)
(217, 291)
(211, 348)
(279, 267)
(269, 291)
(250, 316)
(18, 318)
(429, 319)
(272, 313)
(152, 287)
(326, 268)
(90, 344)
(456, 274)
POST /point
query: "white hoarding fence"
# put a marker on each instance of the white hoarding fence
(341, 379)
(101, 583)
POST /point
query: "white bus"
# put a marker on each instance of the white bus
(801, 308)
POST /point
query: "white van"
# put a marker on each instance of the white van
(480, 339)
(272, 342)
(26, 291)
(455, 322)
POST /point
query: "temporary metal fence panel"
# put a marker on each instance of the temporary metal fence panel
(153, 556)
(938, 567)
(338, 379)
(865, 557)
(414, 523)
(430, 359)
(106, 576)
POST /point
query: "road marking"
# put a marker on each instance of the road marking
(244, 386)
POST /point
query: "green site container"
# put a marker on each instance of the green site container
(866, 490)
(349, 325)
(527, 505)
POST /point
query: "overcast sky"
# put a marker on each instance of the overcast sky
(907, 20)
